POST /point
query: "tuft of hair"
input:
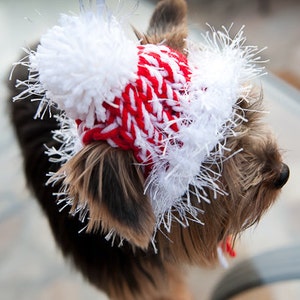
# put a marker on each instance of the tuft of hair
(168, 25)
(107, 184)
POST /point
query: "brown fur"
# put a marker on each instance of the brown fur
(167, 25)
(112, 184)
(86, 177)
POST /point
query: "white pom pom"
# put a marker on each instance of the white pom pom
(84, 62)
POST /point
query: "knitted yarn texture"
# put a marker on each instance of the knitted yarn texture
(175, 112)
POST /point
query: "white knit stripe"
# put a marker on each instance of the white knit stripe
(132, 99)
(110, 127)
(129, 123)
(150, 60)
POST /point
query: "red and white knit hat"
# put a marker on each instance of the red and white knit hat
(175, 112)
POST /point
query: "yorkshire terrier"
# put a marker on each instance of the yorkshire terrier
(145, 156)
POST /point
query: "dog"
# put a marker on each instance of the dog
(117, 236)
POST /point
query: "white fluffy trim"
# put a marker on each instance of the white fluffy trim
(221, 72)
(84, 62)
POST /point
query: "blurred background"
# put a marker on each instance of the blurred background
(31, 266)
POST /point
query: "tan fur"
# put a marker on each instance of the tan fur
(169, 285)
(84, 181)
(167, 26)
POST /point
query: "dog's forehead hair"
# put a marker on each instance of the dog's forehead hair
(168, 25)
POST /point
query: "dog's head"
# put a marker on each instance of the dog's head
(168, 154)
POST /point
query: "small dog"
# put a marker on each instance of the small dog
(144, 205)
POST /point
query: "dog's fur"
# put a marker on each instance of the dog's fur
(114, 189)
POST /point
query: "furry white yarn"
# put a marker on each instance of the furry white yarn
(221, 71)
(83, 62)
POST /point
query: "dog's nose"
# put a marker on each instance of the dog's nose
(283, 176)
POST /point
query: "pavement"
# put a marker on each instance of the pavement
(31, 266)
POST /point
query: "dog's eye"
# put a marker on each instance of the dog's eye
(283, 176)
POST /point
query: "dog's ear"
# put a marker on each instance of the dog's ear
(167, 25)
(110, 184)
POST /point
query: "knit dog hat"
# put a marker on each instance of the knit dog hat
(175, 112)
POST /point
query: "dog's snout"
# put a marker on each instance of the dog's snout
(283, 176)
